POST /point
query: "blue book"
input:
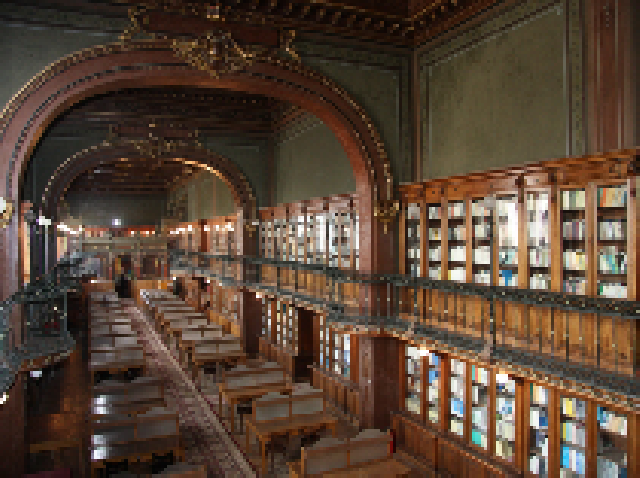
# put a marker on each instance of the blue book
(580, 463)
(566, 457)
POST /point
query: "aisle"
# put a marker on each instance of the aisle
(205, 438)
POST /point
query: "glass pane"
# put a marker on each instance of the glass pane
(479, 406)
(505, 417)
(612, 444)
(538, 430)
(456, 422)
(573, 439)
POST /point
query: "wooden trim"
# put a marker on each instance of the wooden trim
(402, 239)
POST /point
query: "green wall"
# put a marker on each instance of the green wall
(497, 94)
(132, 210)
(26, 50)
(311, 162)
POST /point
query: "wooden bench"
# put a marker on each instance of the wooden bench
(278, 414)
(110, 328)
(138, 438)
(242, 383)
(183, 470)
(116, 360)
(369, 452)
(187, 338)
(113, 341)
(208, 352)
(118, 397)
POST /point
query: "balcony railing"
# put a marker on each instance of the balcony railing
(586, 339)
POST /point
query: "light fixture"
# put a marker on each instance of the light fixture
(4, 398)
(117, 222)
(36, 373)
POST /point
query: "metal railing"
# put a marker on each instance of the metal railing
(587, 339)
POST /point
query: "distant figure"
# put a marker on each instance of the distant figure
(177, 288)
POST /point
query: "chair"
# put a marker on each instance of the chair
(244, 408)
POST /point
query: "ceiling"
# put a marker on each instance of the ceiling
(399, 22)
(171, 113)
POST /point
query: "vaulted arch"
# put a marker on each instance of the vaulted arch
(152, 63)
(109, 151)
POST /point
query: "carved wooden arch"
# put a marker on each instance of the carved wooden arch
(152, 63)
(109, 151)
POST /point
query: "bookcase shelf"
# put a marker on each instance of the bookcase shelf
(456, 241)
(457, 400)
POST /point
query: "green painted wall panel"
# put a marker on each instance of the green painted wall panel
(501, 103)
(312, 164)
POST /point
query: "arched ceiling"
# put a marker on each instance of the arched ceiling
(168, 113)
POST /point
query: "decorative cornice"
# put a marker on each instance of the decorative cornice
(53, 18)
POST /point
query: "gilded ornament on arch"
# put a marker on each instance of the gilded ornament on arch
(6, 212)
(386, 210)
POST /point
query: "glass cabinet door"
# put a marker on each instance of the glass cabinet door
(456, 410)
(612, 444)
(413, 379)
(434, 229)
(507, 221)
(457, 241)
(505, 417)
(574, 256)
(538, 241)
(412, 243)
(481, 248)
(480, 406)
(612, 241)
(538, 430)
(573, 440)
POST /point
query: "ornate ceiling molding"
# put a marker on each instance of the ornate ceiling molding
(217, 52)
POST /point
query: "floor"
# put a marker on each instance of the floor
(62, 412)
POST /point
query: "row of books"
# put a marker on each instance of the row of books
(508, 257)
(539, 395)
(505, 407)
(413, 253)
(457, 367)
(435, 254)
(612, 196)
(612, 260)
(458, 253)
(507, 208)
(612, 422)
(414, 269)
(574, 433)
(575, 286)
(508, 235)
(433, 392)
(435, 273)
(574, 229)
(479, 416)
(540, 442)
(458, 233)
(613, 291)
(457, 426)
(505, 449)
(538, 418)
(538, 202)
(540, 257)
(482, 255)
(610, 469)
(506, 430)
(508, 278)
(478, 438)
(575, 260)
(457, 407)
(538, 234)
(413, 212)
(434, 234)
(458, 274)
(481, 231)
(538, 466)
(434, 212)
(572, 460)
(480, 375)
(612, 229)
(573, 199)
(574, 408)
(456, 209)
(482, 277)
(478, 209)
(413, 233)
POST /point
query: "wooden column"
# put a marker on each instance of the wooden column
(249, 307)
(379, 364)
(611, 62)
